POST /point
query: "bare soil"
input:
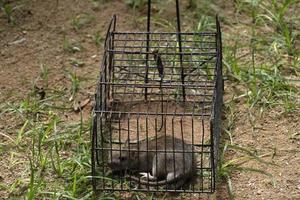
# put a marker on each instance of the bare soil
(272, 137)
(37, 40)
(194, 129)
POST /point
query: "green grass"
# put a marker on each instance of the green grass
(262, 60)
(8, 10)
(71, 47)
(136, 3)
(57, 152)
(81, 21)
(261, 70)
(228, 167)
(97, 38)
(56, 147)
(76, 62)
(269, 46)
(257, 61)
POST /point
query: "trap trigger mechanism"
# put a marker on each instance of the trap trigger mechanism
(159, 63)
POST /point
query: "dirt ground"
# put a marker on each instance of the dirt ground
(37, 40)
(272, 137)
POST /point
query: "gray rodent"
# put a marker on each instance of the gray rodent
(170, 169)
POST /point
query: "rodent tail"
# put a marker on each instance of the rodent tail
(155, 183)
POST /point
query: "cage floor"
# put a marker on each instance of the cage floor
(127, 126)
(194, 129)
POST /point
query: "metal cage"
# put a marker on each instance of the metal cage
(154, 83)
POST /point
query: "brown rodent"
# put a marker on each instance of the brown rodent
(170, 169)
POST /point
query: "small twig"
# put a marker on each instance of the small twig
(8, 137)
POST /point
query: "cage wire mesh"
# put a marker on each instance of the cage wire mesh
(159, 97)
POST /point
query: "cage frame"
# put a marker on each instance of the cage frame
(103, 94)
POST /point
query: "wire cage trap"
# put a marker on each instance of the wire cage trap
(158, 111)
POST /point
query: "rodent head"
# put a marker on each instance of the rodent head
(123, 159)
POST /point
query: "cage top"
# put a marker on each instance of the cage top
(190, 65)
